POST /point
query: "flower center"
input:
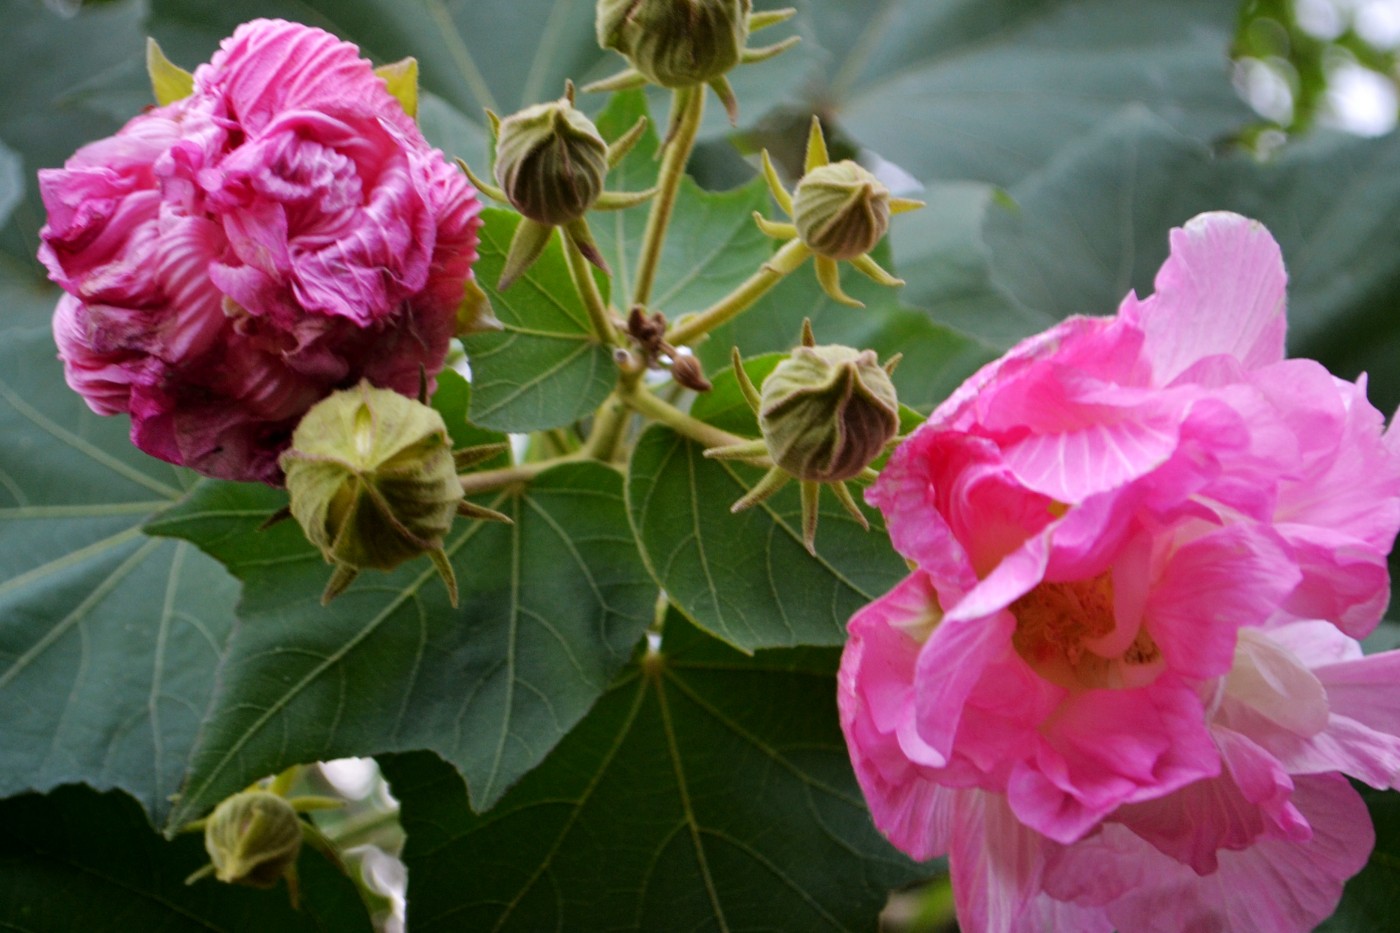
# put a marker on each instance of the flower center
(1069, 634)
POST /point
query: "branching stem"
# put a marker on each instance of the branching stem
(787, 259)
(689, 105)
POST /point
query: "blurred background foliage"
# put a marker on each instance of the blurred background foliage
(1055, 141)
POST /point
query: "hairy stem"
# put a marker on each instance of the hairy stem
(489, 480)
(689, 104)
(792, 254)
(581, 272)
(641, 400)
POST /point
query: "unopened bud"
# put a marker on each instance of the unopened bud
(841, 210)
(676, 43)
(827, 412)
(551, 162)
(253, 838)
(372, 480)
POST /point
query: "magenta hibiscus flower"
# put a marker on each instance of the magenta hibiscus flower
(1121, 686)
(233, 257)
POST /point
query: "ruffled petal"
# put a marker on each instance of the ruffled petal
(1221, 291)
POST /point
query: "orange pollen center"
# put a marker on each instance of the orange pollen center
(1063, 629)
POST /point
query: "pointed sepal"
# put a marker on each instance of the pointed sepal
(169, 82)
(401, 79)
(848, 502)
(525, 247)
(875, 271)
(765, 18)
(772, 481)
(624, 80)
(748, 451)
(811, 500)
(578, 233)
(829, 277)
(485, 187)
(775, 185)
(468, 457)
(775, 229)
(444, 568)
(765, 52)
(725, 91)
(621, 200)
(817, 156)
(746, 386)
(618, 149)
(475, 314)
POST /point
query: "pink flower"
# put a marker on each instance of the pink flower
(1122, 684)
(232, 258)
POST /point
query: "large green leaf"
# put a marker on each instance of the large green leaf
(550, 609)
(546, 368)
(1093, 224)
(706, 791)
(747, 578)
(990, 89)
(78, 860)
(108, 640)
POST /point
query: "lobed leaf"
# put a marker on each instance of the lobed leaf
(747, 578)
(550, 608)
(706, 790)
(109, 641)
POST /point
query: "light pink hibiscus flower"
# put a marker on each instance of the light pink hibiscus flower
(1121, 686)
(234, 257)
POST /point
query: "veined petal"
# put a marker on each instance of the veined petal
(1220, 291)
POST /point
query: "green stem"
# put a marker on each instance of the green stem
(490, 480)
(689, 103)
(581, 272)
(787, 259)
(609, 427)
(642, 401)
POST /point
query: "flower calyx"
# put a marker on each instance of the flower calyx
(684, 43)
(648, 333)
(373, 483)
(839, 211)
(550, 165)
(254, 837)
(825, 414)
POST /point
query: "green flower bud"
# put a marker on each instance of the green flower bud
(372, 480)
(550, 162)
(827, 412)
(841, 211)
(676, 43)
(253, 838)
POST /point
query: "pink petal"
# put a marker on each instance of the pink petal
(1227, 812)
(996, 865)
(268, 67)
(1221, 291)
(1274, 886)
(876, 701)
(1105, 748)
(1235, 576)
